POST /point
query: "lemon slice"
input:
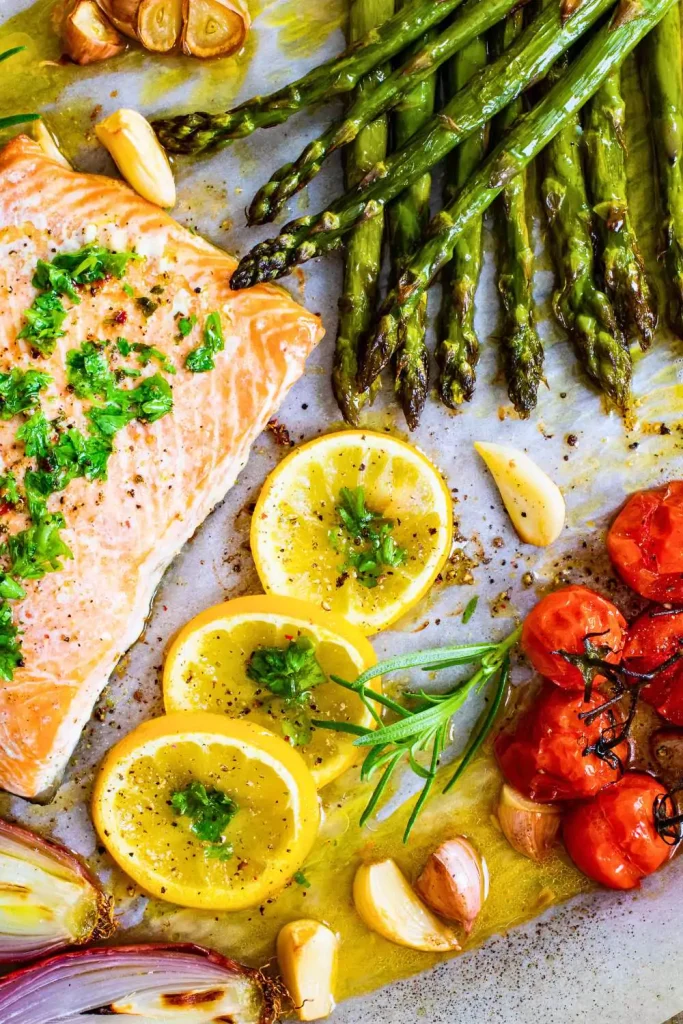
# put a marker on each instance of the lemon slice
(271, 832)
(301, 548)
(206, 670)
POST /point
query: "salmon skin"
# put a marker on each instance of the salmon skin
(163, 478)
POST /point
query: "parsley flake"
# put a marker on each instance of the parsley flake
(200, 359)
(38, 549)
(210, 811)
(290, 673)
(88, 373)
(10, 645)
(44, 322)
(186, 324)
(364, 537)
(19, 391)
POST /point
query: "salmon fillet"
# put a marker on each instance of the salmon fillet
(164, 478)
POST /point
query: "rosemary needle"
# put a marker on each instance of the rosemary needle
(7, 122)
(425, 725)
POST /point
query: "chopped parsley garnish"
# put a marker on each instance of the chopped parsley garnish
(300, 879)
(44, 322)
(35, 433)
(151, 399)
(88, 373)
(19, 391)
(130, 292)
(146, 305)
(10, 645)
(200, 359)
(186, 324)
(210, 812)
(38, 549)
(470, 609)
(61, 277)
(145, 354)
(290, 673)
(124, 347)
(9, 490)
(364, 538)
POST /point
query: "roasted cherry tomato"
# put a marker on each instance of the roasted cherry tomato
(543, 757)
(562, 621)
(652, 639)
(645, 542)
(612, 838)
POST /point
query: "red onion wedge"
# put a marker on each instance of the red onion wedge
(154, 984)
(48, 898)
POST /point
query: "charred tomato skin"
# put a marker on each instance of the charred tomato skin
(652, 639)
(543, 756)
(645, 543)
(561, 621)
(612, 838)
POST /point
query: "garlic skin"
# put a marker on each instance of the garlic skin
(307, 955)
(530, 828)
(88, 36)
(455, 882)
(533, 502)
(47, 142)
(138, 155)
(388, 905)
(123, 14)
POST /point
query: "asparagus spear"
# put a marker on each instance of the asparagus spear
(499, 83)
(473, 19)
(364, 249)
(625, 278)
(662, 66)
(521, 346)
(408, 217)
(582, 309)
(608, 47)
(198, 132)
(457, 350)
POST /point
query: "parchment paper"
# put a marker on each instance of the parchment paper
(608, 956)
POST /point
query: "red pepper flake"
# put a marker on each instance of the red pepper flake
(120, 317)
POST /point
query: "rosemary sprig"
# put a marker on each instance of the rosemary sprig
(7, 122)
(425, 724)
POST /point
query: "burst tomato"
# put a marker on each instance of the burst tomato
(645, 543)
(544, 756)
(612, 838)
(652, 639)
(562, 621)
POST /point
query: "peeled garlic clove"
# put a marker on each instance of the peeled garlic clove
(529, 828)
(138, 155)
(159, 24)
(454, 882)
(88, 36)
(48, 143)
(214, 28)
(388, 905)
(534, 503)
(123, 14)
(307, 955)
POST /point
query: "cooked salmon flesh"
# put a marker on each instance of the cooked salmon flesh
(132, 477)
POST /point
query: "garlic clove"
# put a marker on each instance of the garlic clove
(123, 14)
(530, 828)
(388, 905)
(88, 36)
(214, 28)
(138, 155)
(455, 882)
(533, 502)
(159, 24)
(47, 142)
(307, 955)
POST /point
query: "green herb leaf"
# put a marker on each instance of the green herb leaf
(93, 263)
(210, 811)
(289, 672)
(300, 879)
(470, 609)
(19, 391)
(44, 322)
(88, 371)
(146, 305)
(35, 435)
(200, 359)
(186, 324)
(146, 353)
(130, 292)
(38, 549)
(9, 490)
(10, 645)
(364, 537)
(124, 347)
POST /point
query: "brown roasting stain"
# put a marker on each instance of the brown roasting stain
(185, 999)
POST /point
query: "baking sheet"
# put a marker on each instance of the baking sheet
(619, 957)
